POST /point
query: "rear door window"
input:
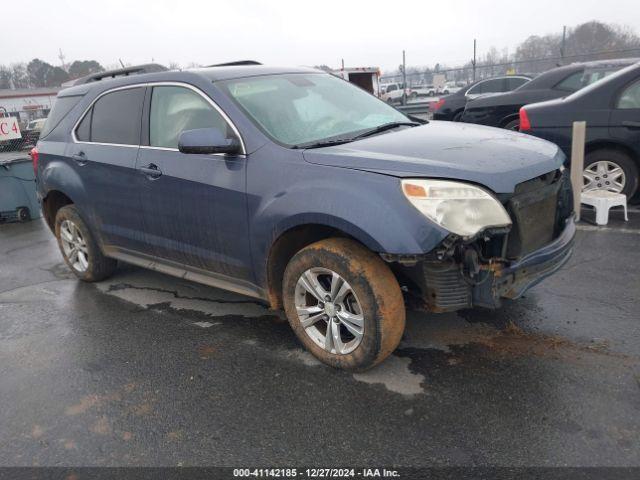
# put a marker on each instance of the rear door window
(495, 85)
(515, 82)
(115, 118)
(83, 132)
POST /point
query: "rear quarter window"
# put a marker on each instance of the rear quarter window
(572, 83)
(61, 108)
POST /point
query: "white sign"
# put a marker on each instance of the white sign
(9, 128)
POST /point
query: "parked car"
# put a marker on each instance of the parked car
(502, 110)
(427, 90)
(448, 88)
(31, 133)
(611, 109)
(302, 190)
(393, 93)
(452, 106)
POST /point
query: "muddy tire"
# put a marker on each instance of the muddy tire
(344, 304)
(79, 248)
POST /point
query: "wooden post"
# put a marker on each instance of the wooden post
(577, 163)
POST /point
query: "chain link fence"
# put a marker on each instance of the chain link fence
(469, 73)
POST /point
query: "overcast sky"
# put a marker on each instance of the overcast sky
(287, 32)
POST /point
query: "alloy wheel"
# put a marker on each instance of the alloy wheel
(604, 175)
(74, 246)
(329, 311)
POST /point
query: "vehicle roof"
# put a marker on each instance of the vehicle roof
(552, 77)
(463, 90)
(213, 74)
(230, 72)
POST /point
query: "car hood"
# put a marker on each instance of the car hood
(497, 159)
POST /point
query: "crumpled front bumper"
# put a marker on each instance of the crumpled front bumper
(445, 287)
(513, 280)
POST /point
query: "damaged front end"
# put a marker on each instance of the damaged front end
(498, 262)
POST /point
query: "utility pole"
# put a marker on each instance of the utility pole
(474, 59)
(343, 64)
(404, 79)
(62, 57)
(564, 40)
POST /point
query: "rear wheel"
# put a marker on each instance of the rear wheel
(458, 116)
(611, 170)
(344, 304)
(79, 249)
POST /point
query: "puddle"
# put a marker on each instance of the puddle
(305, 357)
(395, 375)
(511, 341)
(147, 291)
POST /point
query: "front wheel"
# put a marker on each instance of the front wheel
(344, 304)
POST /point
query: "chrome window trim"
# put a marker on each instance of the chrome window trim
(157, 84)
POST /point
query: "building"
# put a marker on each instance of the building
(27, 104)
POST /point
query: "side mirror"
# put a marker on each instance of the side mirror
(207, 140)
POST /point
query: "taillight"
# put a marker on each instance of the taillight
(525, 124)
(34, 158)
(435, 106)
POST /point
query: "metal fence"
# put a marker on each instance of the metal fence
(477, 71)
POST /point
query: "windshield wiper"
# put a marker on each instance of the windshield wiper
(324, 143)
(341, 141)
(384, 127)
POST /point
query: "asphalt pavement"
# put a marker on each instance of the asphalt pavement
(146, 369)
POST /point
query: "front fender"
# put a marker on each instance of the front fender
(367, 206)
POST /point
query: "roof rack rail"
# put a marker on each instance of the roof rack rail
(236, 64)
(121, 72)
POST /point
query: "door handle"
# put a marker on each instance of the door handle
(631, 124)
(152, 171)
(80, 158)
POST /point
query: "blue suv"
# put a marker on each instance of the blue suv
(300, 189)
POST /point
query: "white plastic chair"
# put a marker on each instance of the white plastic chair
(602, 201)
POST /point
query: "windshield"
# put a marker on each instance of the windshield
(300, 109)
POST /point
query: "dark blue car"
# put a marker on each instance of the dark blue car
(300, 189)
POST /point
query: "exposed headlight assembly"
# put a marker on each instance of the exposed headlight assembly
(461, 208)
